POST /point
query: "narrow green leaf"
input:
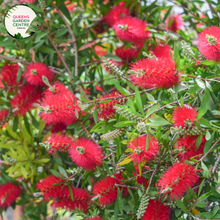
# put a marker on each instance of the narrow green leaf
(200, 187)
(131, 106)
(198, 142)
(95, 115)
(100, 124)
(147, 142)
(27, 125)
(19, 75)
(71, 192)
(151, 110)
(181, 205)
(138, 100)
(205, 170)
(15, 124)
(209, 143)
(62, 171)
(57, 174)
(124, 124)
(207, 135)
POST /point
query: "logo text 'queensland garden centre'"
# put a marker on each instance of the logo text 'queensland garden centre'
(18, 20)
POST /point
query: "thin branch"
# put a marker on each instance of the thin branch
(59, 54)
(208, 151)
(72, 36)
(127, 186)
(84, 128)
(195, 77)
(216, 163)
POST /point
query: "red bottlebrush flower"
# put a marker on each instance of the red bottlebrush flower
(209, 43)
(34, 74)
(116, 13)
(106, 110)
(177, 179)
(131, 29)
(51, 187)
(140, 154)
(80, 199)
(162, 50)
(106, 190)
(182, 114)
(86, 154)
(187, 145)
(9, 75)
(25, 99)
(157, 211)
(8, 194)
(27, 1)
(127, 55)
(174, 23)
(158, 73)
(94, 218)
(59, 109)
(56, 142)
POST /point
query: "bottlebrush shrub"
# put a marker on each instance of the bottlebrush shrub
(127, 132)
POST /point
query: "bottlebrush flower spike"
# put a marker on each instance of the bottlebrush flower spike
(116, 13)
(140, 153)
(27, 1)
(131, 29)
(86, 154)
(106, 110)
(105, 190)
(57, 143)
(158, 73)
(80, 200)
(174, 23)
(94, 218)
(34, 74)
(59, 109)
(143, 205)
(51, 187)
(162, 50)
(9, 75)
(177, 179)
(127, 55)
(157, 210)
(187, 145)
(184, 114)
(209, 43)
(25, 99)
(8, 194)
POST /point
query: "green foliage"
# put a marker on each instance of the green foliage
(67, 42)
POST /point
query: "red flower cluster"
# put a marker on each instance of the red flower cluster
(94, 218)
(53, 188)
(59, 105)
(157, 211)
(61, 143)
(9, 75)
(8, 194)
(106, 110)
(177, 179)
(174, 23)
(127, 55)
(139, 146)
(86, 154)
(181, 114)
(131, 29)
(187, 145)
(162, 50)
(158, 73)
(34, 74)
(80, 199)
(116, 13)
(106, 190)
(25, 99)
(209, 43)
